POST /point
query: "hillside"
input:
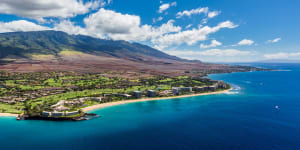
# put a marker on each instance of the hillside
(25, 44)
(59, 51)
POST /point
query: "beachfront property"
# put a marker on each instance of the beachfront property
(126, 96)
(61, 105)
(180, 90)
(77, 91)
(109, 97)
(198, 89)
(151, 93)
(137, 94)
(59, 114)
(222, 85)
(212, 88)
(165, 93)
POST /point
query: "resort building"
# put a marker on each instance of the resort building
(222, 85)
(126, 96)
(180, 90)
(212, 88)
(46, 114)
(61, 108)
(137, 94)
(72, 113)
(165, 93)
(57, 114)
(198, 89)
(151, 93)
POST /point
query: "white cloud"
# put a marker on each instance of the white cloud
(274, 40)
(189, 13)
(69, 27)
(283, 55)
(215, 55)
(197, 11)
(154, 20)
(163, 7)
(110, 24)
(190, 37)
(166, 6)
(245, 42)
(214, 43)
(226, 52)
(188, 26)
(39, 9)
(213, 14)
(107, 21)
(20, 25)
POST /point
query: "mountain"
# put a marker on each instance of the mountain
(24, 44)
(58, 51)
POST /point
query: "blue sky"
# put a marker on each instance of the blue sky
(208, 30)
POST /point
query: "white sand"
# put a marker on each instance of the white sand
(8, 115)
(98, 106)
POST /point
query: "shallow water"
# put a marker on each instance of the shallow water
(244, 118)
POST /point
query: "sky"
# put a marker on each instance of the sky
(207, 30)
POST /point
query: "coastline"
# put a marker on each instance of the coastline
(99, 106)
(8, 115)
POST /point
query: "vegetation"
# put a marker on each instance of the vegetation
(37, 92)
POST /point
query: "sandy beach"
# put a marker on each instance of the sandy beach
(8, 115)
(94, 107)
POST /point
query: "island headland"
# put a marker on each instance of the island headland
(51, 75)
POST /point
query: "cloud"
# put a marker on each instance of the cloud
(190, 37)
(192, 12)
(245, 42)
(101, 24)
(274, 40)
(20, 25)
(154, 20)
(215, 55)
(39, 9)
(109, 24)
(197, 11)
(147, 32)
(166, 6)
(213, 14)
(108, 21)
(283, 55)
(188, 26)
(70, 28)
(226, 52)
(214, 43)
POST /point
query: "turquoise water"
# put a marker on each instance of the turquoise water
(243, 119)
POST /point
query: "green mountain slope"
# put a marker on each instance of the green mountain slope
(25, 44)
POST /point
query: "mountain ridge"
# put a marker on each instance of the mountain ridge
(52, 42)
(40, 51)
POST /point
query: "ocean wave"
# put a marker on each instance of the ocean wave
(281, 70)
(248, 82)
(232, 92)
(235, 90)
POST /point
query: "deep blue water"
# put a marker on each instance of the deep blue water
(243, 119)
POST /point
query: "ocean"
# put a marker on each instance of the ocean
(262, 112)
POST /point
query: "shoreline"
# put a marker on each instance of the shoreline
(104, 105)
(8, 115)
